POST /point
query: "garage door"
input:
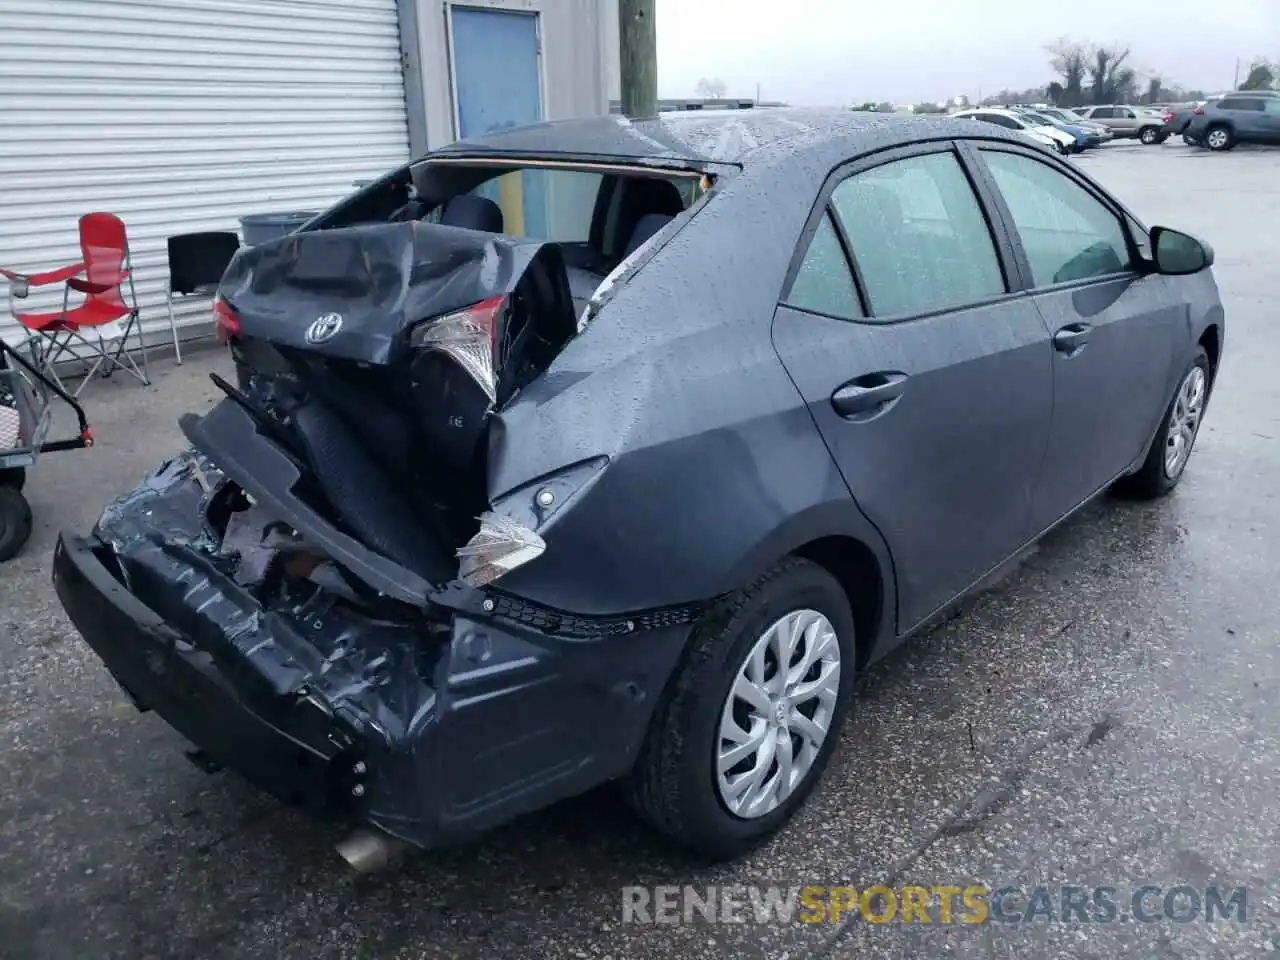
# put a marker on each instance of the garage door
(183, 115)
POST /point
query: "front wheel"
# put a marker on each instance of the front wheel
(1171, 449)
(752, 714)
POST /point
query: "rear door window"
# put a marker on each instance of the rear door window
(918, 236)
(1067, 233)
(824, 283)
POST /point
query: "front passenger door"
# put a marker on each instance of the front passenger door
(1113, 326)
(1271, 119)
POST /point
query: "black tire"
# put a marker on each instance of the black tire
(15, 522)
(15, 477)
(1149, 135)
(673, 785)
(1219, 137)
(1152, 479)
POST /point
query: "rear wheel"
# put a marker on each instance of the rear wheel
(15, 522)
(1149, 135)
(1219, 137)
(1171, 449)
(752, 714)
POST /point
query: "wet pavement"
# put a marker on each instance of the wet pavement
(1107, 715)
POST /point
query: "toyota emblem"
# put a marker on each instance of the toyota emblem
(324, 328)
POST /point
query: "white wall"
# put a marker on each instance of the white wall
(579, 59)
(179, 117)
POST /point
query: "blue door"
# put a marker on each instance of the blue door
(498, 86)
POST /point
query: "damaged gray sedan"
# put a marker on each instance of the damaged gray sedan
(608, 450)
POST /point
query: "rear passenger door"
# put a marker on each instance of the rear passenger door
(1105, 116)
(929, 381)
(1113, 326)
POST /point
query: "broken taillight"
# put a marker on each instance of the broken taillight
(469, 337)
(226, 324)
(498, 547)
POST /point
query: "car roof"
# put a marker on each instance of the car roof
(733, 137)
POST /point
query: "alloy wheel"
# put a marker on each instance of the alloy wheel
(1184, 422)
(778, 713)
(1217, 139)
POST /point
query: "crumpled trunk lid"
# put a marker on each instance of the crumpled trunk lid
(381, 281)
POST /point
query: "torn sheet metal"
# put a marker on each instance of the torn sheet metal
(267, 608)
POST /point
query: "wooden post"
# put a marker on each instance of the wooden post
(638, 57)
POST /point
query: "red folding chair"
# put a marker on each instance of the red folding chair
(54, 336)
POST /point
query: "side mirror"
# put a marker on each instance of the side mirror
(1176, 253)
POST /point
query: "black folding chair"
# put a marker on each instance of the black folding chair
(197, 262)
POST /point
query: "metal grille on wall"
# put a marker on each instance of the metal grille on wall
(184, 115)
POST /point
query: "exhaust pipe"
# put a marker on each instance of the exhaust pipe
(367, 851)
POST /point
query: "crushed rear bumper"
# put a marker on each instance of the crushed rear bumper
(293, 753)
(427, 729)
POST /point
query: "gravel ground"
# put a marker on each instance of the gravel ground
(1109, 714)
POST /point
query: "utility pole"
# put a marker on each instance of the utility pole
(1236, 85)
(638, 57)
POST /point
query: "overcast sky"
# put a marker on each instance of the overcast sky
(819, 52)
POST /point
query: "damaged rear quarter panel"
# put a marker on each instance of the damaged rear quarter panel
(712, 455)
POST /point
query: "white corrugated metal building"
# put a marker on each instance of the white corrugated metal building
(184, 115)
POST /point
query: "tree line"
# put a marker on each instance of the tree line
(1091, 73)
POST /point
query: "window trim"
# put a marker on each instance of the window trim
(793, 271)
(977, 147)
(1010, 270)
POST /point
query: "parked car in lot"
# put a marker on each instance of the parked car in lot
(1097, 131)
(548, 463)
(1042, 132)
(1239, 118)
(1084, 137)
(1177, 119)
(1128, 122)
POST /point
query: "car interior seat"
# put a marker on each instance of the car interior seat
(648, 205)
(473, 212)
